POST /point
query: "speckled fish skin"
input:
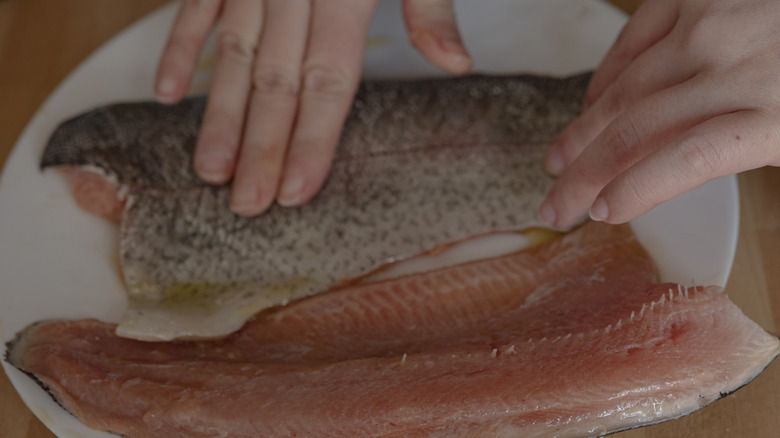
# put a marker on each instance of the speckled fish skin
(420, 164)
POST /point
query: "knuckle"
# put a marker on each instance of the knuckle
(326, 81)
(269, 152)
(623, 142)
(617, 98)
(641, 195)
(272, 154)
(232, 46)
(699, 155)
(274, 80)
(701, 30)
(761, 88)
(706, 43)
(638, 194)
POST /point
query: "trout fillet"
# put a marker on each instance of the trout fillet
(420, 164)
(572, 338)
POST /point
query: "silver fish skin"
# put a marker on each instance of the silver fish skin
(420, 164)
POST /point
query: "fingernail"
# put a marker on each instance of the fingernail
(547, 214)
(290, 193)
(165, 90)
(214, 167)
(244, 199)
(459, 58)
(554, 163)
(599, 210)
(461, 63)
(455, 49)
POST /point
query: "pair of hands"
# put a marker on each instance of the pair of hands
(689, 92)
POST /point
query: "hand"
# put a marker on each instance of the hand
(689, 92)
(284, 80)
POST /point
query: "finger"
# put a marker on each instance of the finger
(721, 146)
(180, 56)
(237, 36)
(433, 30)
(649, 24)
(331, 73)
(632, 136)
(648, 74)
(276, 80)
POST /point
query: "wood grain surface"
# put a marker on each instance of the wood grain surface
(41, 41)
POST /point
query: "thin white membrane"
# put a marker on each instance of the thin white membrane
(477, 248)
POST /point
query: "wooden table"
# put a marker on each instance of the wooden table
(42, 41)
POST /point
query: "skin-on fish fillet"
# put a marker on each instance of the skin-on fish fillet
(420, 164)
(571, 338)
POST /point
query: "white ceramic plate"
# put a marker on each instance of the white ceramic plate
(58, 262)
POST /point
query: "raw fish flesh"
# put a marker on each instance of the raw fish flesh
(421, 164)
(570, 338)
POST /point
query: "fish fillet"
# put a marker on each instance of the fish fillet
(420, 164)
(571, 338)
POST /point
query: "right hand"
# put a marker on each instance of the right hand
(689, 92)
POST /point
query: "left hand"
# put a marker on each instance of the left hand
(689, 92)
(285, 76)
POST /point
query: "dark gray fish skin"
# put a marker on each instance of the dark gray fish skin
(420, 164)
(140, 145)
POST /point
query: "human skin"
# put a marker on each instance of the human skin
(285, 76)
(689, 92)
